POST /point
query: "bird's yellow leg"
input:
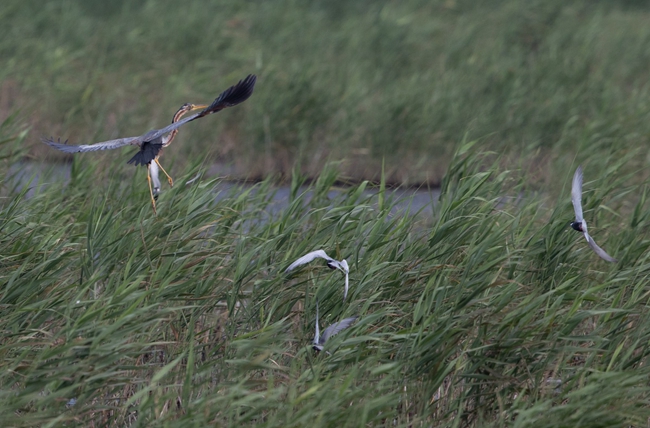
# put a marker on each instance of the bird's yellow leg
(171, 182)
(153, 201)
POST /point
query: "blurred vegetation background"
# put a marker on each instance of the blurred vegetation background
(483, 309)
(359, 81)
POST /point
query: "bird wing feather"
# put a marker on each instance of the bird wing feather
(317, 333)
(601, 253)
(576, 193)
(104, 145)
(308, 258)
(232, 96)
(336, 328)
(158, 133)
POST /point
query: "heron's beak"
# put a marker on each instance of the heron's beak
(198, 106)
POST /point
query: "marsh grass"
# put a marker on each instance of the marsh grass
(491, 311)
(357, 82)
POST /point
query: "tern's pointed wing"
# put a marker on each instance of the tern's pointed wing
(308, 258)
(345, 290)
(601, 253)
(104, 145)
(336, 328)
(576, 193)
(317, 334)
(232, 96)
(344, 266)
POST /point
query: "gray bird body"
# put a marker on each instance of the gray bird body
(337, 327)
(331, 263)
(580, 224)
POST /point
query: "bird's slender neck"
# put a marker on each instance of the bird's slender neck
(177, 116)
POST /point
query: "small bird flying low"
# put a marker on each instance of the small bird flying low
(152, 142)
(319, 341)
(331, 263)
(580, 224)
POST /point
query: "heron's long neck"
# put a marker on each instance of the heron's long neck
(170, 137)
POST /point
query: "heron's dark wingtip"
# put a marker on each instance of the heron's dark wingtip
(232, 96)
(238, 93)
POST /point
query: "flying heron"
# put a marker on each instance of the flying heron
(580, 224)
(155, 140)
(331, 263)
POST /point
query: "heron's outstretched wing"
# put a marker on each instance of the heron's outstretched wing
(576, 193)
(601, 253)
(104, 145)
(308, 258)
(336, 328)
(230, 97)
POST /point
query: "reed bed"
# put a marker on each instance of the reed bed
(489, 312)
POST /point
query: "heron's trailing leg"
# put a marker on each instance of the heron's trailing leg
(153, 199)
(171, 182)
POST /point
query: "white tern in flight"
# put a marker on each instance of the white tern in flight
(580, 224)
(319, 341)
(331, 263)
